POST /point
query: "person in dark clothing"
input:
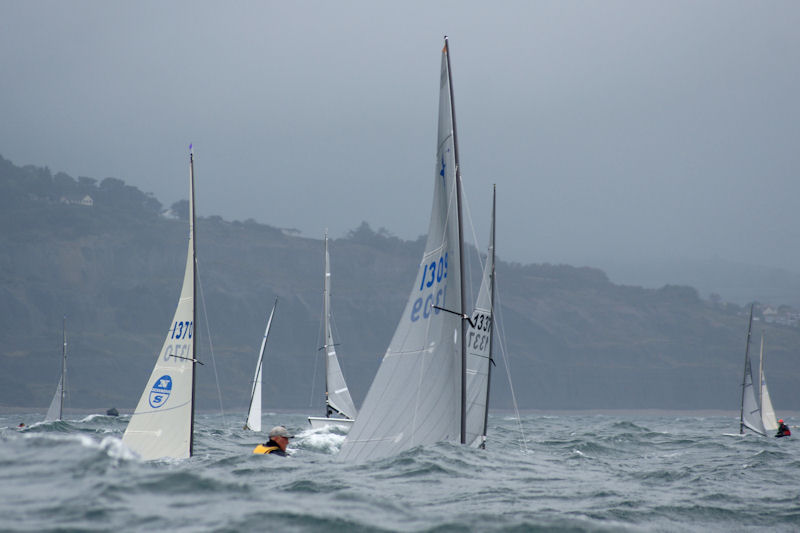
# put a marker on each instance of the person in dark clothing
(276, 445)
(783, 430)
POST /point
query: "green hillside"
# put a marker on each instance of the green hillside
(573, 338)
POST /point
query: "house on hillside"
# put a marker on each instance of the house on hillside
(77, 199)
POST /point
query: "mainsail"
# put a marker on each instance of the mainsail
(55, 411)
(253, 421)
(479, 350)
(750, 416)
(337, 396)
(768, 418)
(163, 423)
(417, 396)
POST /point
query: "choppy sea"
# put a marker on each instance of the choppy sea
(566, 472)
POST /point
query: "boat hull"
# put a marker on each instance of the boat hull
(318, 422)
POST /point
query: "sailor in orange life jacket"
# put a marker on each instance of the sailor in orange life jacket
(276, 445)
(783, 430)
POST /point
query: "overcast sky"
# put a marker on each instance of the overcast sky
(618, 132)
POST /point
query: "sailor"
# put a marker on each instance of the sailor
(276, 445)
(783, 430)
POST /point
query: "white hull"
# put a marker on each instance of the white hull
(318, 422)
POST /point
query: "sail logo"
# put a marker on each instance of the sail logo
(160, 391)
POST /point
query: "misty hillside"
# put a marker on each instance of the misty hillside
(111, 258)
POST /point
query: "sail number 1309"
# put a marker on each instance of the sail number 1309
(433, 285)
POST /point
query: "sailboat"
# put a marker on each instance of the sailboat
(253, 421)
(339, 407)
(162, 425)
(757, 413)
(56, 410)
(419, 393)
(479, 338)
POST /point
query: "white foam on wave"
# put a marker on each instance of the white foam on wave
(322, 439)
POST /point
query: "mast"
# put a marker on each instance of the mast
(326, 309)
(194, 292)
(491, 309)
(63, 367)
(746, 363)
(460, 249)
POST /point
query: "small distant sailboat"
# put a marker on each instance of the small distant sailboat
(253, 421)
(56, 410)
(162, 425)
(420, 392)
(339, 407)
(757, 413)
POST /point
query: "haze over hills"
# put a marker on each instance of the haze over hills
(111, 258)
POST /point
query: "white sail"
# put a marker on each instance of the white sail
(479, 352)
(750, 417)
(55, 411)
(768, 418)
(162, 424)
(338, 398)
(417, 394)
(253, 421)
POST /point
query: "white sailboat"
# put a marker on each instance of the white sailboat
(750, 415)
(339, 407)
(163, 423)
(253, 421)
(757, 413)
(479, 350)
(56, 410)
(419, 393)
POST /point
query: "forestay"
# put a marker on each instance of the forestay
(163, 421)
(416, 396)
(253, 421)
(337, 394)
(479, 351)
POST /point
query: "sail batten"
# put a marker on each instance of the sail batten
(163, 422)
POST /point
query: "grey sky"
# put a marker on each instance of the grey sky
(618, 132)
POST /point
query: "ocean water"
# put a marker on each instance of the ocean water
(612, 472)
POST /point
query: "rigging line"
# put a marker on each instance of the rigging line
(465, 203)
(210, 344)
(499, 324)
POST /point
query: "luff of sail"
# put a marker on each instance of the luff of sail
(56, 410)
(162, 424)
(417, 394)
(479, 351)
(337, 394)
(253, 421)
